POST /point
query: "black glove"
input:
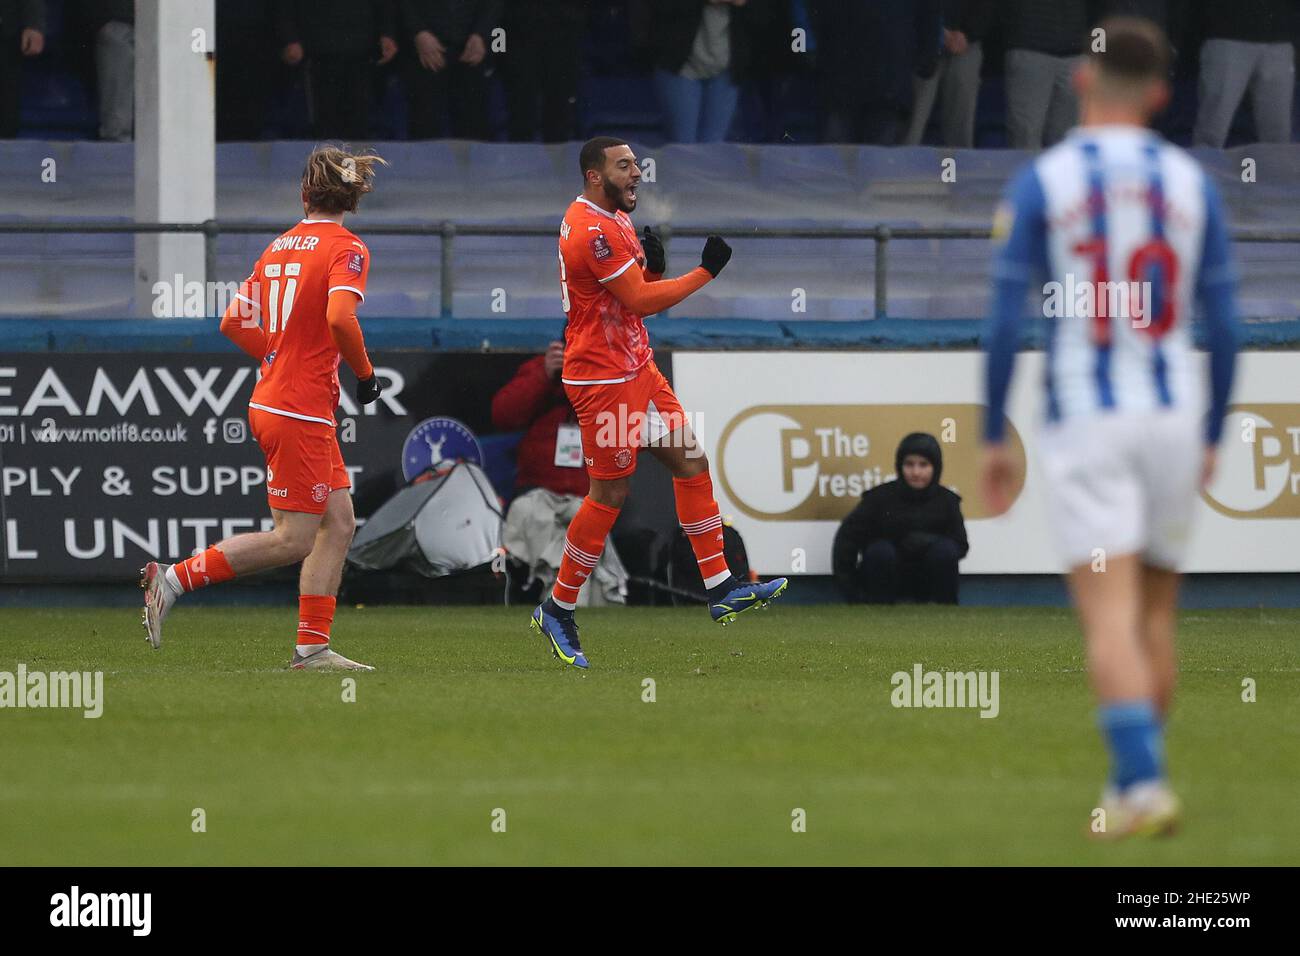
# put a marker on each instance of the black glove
(655, 261)
(716, 255)
(368, 390)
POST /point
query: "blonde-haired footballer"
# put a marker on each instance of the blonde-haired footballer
(1131, 427)
(296, 316)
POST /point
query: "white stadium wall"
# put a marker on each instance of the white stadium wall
(794, 438)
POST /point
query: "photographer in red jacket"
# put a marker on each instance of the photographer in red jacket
(550, 453)
(550, 482)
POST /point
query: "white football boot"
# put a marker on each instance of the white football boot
(325, 660)
(159, 596)
(1145, 809)
(1153, 809)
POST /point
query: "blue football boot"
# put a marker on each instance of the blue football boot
(739, 597)
(559, 627)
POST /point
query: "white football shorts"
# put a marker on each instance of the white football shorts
(1123, 482)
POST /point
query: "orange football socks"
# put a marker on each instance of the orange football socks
(582, 546)
(206, 567)
(700, 519)
(315, 615)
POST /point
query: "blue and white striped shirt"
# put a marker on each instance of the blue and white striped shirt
(1127, 232)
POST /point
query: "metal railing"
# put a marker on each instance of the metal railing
(446, 232)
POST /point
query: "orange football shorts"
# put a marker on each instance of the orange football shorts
(303, 461)
(618, 419)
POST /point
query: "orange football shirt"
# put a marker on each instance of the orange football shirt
(604, 341)
(290, 286)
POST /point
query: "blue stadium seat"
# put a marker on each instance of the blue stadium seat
(622, 105)
(55, 103)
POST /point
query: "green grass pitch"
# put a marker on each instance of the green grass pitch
(788, 708)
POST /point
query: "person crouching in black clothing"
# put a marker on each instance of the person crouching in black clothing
(903, 541)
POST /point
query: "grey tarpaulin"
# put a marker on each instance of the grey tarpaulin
(448, 523)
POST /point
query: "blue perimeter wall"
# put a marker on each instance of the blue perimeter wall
(532, 335)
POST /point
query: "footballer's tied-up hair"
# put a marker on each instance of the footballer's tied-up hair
(593, 153)
(335, 178)
(1135, 51)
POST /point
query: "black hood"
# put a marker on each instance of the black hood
(925, 445)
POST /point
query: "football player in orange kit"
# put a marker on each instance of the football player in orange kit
(609, 280)
(296, 315)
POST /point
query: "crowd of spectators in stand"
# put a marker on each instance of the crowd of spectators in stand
(951, 72)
